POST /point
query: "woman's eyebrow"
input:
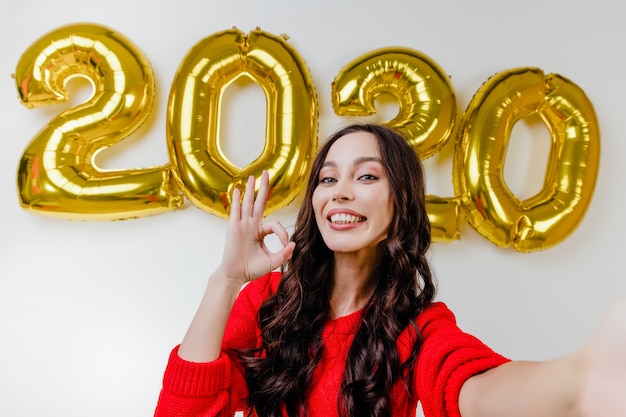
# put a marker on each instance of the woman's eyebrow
(363, 159)
(357, 161)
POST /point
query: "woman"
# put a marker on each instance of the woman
(349, 327)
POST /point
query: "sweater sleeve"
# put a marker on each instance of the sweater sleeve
(195, 389)
(216, 388)
(448, 357)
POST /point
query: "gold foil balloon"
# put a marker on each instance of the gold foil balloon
(444, 214)
(205, 174)
(546, 218)
(57, 175)
(427, 111)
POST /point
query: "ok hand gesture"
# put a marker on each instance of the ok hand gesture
(246, 256)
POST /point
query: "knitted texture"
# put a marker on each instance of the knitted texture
(448, 357)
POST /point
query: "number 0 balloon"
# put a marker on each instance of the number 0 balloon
(206, 176)
(554, 212)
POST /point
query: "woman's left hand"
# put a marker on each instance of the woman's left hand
(604, 373)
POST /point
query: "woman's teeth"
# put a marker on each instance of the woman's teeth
(345, 218)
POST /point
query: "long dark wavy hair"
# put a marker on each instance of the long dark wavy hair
(291, 321)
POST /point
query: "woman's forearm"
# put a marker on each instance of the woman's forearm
(523, 388)
(203, 340)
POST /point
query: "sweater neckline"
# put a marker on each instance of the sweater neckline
(347, 324)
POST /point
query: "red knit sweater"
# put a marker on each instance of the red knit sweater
(447, 358)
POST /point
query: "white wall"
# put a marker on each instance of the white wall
(90, 310)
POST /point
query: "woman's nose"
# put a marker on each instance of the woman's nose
(342, 192)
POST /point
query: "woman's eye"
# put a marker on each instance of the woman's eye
(368, 177)
(326, 180)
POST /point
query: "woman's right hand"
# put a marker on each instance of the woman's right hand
(245, 258)
(246, 255)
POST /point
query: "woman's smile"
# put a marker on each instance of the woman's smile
(342, 217)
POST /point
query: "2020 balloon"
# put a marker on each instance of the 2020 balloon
(57, 175)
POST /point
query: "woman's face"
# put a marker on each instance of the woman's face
(352, 201)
